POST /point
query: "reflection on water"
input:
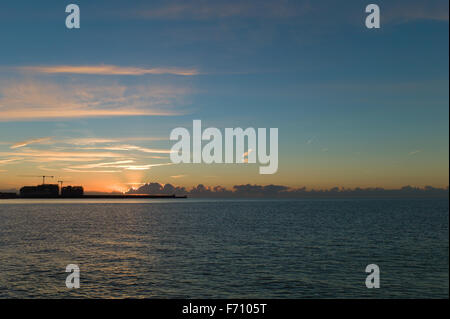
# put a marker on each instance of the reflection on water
(209, 249)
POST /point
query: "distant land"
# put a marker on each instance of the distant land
(280, 191)
(275, 191)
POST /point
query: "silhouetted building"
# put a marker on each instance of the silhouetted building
(40, 191)
(72, 191)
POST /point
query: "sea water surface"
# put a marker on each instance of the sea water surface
(189, 248)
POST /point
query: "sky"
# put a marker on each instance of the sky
(94, 106)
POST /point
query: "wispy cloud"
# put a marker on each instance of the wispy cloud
(415, 152)
(405, 11)
(203, 10)
(247, 153)
(31, 141)
(178, 176)
(107, 164)
(142, 167)
(107, 70)
(8, 161)
(118, 164)
(36, 100)
(54, 154)
(85, 158)
(89, 171)
(31, 157)
(129, 148)
(99, 140)
(63, 159)
(398, 11)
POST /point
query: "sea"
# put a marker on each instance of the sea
(192, 248)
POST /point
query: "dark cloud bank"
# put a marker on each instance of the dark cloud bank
(279, 191)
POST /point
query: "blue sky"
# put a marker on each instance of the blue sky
(354, 107)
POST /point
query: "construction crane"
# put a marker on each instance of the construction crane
(61, 185)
